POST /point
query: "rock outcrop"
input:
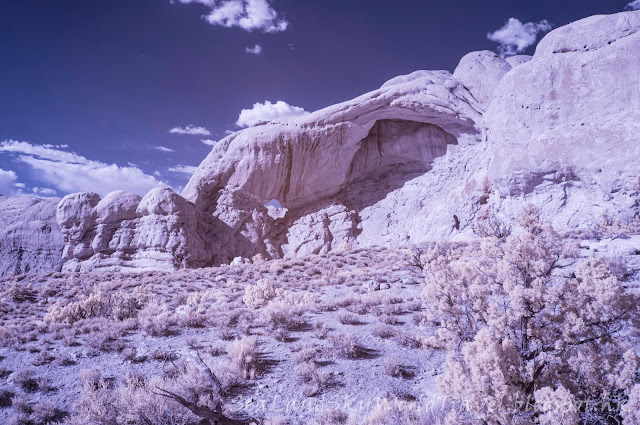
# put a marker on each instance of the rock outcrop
(418, 159)
(564, 128)
(123, 230)
(331, 167)
(480, 73)
(30, 238)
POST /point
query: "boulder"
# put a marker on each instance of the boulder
(480, 72)
(518, 60)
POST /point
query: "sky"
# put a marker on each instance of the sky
(133, 94)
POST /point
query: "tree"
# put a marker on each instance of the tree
(533, 338)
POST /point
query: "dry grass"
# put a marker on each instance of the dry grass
(269, 329)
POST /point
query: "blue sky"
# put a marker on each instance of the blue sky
(90, 91)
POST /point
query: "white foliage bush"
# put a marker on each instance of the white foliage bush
(100, 302)
(260, 294)
(157, 319)
(522, 335)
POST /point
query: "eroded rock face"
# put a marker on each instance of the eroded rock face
(564, 128)
(30, 238)
(329, 166)
(123, 230)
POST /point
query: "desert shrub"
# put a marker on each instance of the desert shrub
(18, 292)
(42, 358)
(611, 225)
(391, 366)
(521, 333)
(26, 379)
(157, 319)
(244, 355)
(44, 412)
(102, 301)
(384, 331)
(192, 316)
(299, 299)
(489, 225)
(64, 358)
(19, 418)
(20, 403)
(207, 297)
(408, 339)
(344, 345)
(389, 319)
(281, 315)
(358, 308)
(132, 401)
(631, 410)
(314, 380)
(197, 308)
(307, 352)
(320, 330)
(348, 318)
(258, 295)
(187, 394)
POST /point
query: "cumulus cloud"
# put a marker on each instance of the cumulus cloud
(44, 191)
(184, 169)
(209, 142)
(257, 49)
(69, 172)
(190, 129)
(634, 5)
(249, 15)
(514, 37)
(164, 149)
(8, 180)
(267, 111)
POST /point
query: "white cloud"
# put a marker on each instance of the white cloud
(184, 169)
(634, 5)
(209, 142)
(190, 129)
(267, 111)
(257, 49)
(44, 191)
(69, 172)
(249, 15)
(163, 149)
(7, 182)
(51, 152)
(514, 37)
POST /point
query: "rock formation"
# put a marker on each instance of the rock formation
(418, 159)
(564, 129)
(126, 231)
(30, 238)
